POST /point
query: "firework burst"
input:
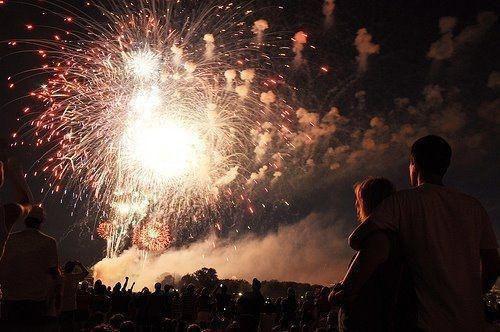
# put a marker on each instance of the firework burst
(152, 236)
(152, 108)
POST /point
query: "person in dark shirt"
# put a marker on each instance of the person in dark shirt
(250, 306)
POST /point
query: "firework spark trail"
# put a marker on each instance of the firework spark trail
(150, 110)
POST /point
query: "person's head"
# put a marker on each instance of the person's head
(430, 158)
(204, 291)
(256, 284)
(127, 326)
(157, 287)
(369, 194)
(116, 321)
(84, 286)
(97, 283)
(35, 217)
(117, 287)
(189, 289)
(223, 288)
(100, 289)
(69, 267)
(167, 288)
(194, 328)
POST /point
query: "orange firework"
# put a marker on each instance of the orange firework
(105, 229)
(152, 236)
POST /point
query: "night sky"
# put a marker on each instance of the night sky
(457, 97)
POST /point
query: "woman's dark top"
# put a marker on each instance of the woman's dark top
(387, 300)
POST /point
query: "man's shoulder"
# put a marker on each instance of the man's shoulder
(425, 189)
(46, 238)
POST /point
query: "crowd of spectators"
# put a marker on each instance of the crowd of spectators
(98, 307)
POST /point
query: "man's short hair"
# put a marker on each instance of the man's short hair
(32, 222)
(432, 154)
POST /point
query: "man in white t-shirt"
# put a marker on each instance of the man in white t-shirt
(447, 240)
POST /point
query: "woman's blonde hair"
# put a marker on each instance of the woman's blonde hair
(370, 193)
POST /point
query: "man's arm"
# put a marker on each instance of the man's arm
(490, 268)
(386, 217)
(374, 252)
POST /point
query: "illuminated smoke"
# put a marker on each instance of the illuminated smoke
(299, 41)
(447, 45)
(259, 27)
(267, 98)
(230, 75)
(447, 24)
(328, 8)
(284, 255)
(209, 45)
(365, 47)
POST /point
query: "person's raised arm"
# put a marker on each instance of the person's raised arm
(22, 193)
(132, 288)
(124, 288)
(374, 251)
(386, 218)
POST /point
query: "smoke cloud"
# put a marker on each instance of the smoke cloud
(446, 46)
(312, 251)
(299, 41)
(365, 47)
(259, 27)
(328, 8)
(209, 45)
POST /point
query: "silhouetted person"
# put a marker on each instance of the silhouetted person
(100, 300)
(27, 269)
(83, 301)
(204, 307)
(188, 302)
(156, 307)
(22, 198)
(250, 306)
(447, 238)
(308, 310)
(222, 299)
(73, 273)
(289, 308)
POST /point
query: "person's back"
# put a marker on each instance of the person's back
(24, 268)
(442, 231)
